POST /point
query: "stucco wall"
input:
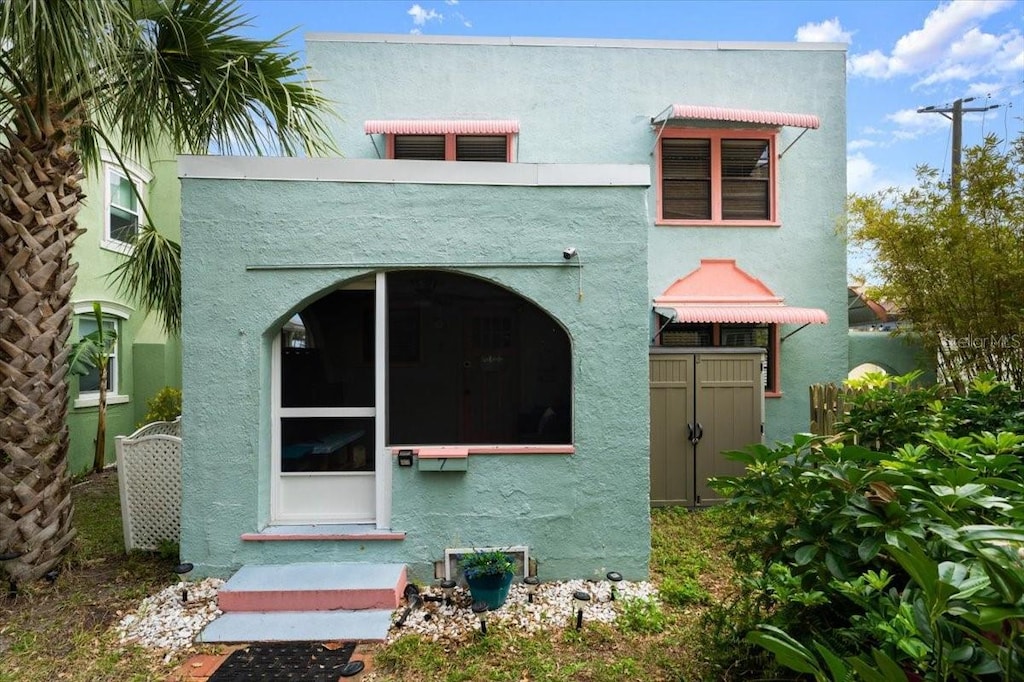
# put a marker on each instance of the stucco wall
(136, 376)
(895, 354)
(580, 514)
(593, 103)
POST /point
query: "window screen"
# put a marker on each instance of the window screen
(686, 179)
(422, 147)
(746, 180)
(481, 148)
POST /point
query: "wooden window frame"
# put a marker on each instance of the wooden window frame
(715, 136)
(449, 143)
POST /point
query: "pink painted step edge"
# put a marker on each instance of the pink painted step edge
(313, 600)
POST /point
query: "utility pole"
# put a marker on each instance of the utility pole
(957, 110)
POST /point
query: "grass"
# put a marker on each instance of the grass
(64, 631)
(652, 641)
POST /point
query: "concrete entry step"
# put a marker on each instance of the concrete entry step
(370, 625)
(313, 587)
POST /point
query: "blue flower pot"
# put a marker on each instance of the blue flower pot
(490, 589)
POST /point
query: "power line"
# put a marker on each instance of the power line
(955, 113)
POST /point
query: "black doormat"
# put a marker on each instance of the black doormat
(287, 662)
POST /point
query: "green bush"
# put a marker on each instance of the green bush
(641, 615)
(913, 553)
(164, 406)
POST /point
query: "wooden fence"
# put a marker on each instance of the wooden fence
(828, 405)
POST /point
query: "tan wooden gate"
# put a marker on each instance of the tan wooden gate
(702, 404)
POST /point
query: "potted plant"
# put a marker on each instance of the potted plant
(489, 575)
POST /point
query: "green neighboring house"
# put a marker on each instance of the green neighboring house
(145, 359)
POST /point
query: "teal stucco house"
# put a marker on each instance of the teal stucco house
(549, 282)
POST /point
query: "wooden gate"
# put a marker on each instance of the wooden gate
(702, 404)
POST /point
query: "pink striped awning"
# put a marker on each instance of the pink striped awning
(703, 113)
(719, 291)
(441, 127)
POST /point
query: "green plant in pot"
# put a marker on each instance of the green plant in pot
(489, 575)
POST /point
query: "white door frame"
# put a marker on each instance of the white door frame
(382, 455)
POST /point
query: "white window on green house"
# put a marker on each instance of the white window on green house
(122, 209)
(89, 384)
(124, 186)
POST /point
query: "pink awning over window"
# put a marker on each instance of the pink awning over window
(695, 112)
(719, 291)
(441, 127)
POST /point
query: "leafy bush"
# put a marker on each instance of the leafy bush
(641, 615)
(164, 406)
(913, 553)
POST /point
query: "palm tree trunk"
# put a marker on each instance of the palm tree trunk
(100, 454)
(40, 195)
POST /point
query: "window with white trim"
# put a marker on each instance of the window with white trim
(717, 177)
(451, 147)
(122, 209)
(89, 384)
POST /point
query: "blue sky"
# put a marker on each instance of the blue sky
(903, 54)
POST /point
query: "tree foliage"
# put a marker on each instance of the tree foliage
(955, 266)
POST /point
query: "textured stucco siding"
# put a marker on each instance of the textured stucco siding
(580, 514)
(895, 354)
(594, 105)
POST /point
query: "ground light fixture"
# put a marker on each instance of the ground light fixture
(181, 570)
(579, 600)
(480, 611)
(448, 587)
(532, 583)
(615, 577)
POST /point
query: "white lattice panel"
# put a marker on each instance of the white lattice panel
(157, 429)
(149, 477)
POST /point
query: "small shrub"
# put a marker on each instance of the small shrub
(165, 406)
(682, 591)
(641, 615)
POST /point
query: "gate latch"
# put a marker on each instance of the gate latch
(695, 435)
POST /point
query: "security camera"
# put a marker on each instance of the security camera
(569, 253)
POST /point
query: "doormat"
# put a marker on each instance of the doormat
(288, 662)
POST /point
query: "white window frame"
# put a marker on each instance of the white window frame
(139, 177)
(120, 314)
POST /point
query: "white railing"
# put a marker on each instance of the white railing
(149, 479)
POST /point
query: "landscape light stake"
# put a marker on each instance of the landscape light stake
(181, 570)
(449, 588)
(532, 582)
(580, 600)
(480, 611)
(614, 577)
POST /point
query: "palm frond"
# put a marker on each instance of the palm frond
(197, 83)
(152, 276)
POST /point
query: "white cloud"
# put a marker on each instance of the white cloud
(911, 125)
(421, 16)
(949, 46)
(451, 2)
(983, 89)
(828, 31)
(854, 145)
(860, 175)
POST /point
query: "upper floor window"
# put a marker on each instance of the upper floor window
(444, 139)
(122, 210)
(451, 147)
(717, 177)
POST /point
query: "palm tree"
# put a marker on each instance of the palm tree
(126, 75)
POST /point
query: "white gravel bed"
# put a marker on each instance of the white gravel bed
(552, 609)
(164, 622)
